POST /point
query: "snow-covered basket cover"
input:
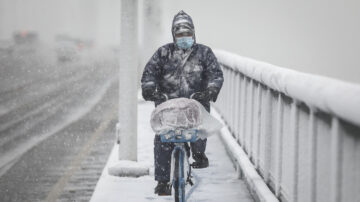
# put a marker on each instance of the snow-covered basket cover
(183, 113)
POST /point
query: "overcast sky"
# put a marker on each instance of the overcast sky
(317, 36)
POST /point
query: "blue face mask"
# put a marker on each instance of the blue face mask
(184, 42)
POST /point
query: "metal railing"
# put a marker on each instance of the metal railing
(300, 131)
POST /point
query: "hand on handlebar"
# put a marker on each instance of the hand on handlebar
(204, 96)
(159, 97)
(153, 95)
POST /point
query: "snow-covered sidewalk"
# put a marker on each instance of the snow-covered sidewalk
(217, 183)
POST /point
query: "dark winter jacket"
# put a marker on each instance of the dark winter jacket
(178, 73)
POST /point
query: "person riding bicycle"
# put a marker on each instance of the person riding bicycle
(186, 69)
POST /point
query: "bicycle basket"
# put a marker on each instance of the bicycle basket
(176, 113)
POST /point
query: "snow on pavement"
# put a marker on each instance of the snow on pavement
(218, 182)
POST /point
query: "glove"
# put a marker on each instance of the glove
(206, 96)
(152, 95)
(158, 97)
(213, 92)
(147, 93)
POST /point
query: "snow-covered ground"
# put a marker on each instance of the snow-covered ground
(217, 183)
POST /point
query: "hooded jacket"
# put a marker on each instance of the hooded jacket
(180, 73)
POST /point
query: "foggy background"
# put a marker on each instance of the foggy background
(320, 36)
(86, 19)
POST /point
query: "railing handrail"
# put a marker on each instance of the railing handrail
(333, 96)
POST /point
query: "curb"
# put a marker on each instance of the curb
(256, 184)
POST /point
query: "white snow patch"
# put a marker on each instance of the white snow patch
(126, 168)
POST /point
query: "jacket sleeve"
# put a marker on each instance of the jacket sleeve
(150, 76)
(213, 72)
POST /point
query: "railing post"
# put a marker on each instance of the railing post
(266, 132)
(312, 154)
(252, 115)
(243, 110)
(249, 118)
(232, 101)
(257, 124)
(279, 144)
(237, 106)
(336, 160)
(227, 89)
(233, 104)
(295, 133)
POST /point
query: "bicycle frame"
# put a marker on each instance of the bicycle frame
(180, 137)
(179, 170)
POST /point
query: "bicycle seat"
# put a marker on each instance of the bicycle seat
(180, 136)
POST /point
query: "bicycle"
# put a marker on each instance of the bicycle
(179, 137)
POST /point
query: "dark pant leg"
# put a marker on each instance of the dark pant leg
(162, 159)
(198, 147)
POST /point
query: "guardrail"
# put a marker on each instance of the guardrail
(300, 131)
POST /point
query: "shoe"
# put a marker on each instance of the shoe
(163, 189)
(201, 161)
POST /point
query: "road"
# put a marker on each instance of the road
(57, 123)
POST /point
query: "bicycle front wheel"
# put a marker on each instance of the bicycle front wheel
(179, 184)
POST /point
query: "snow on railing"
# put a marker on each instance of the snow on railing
(301, 131)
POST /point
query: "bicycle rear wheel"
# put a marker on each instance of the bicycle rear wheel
(179, 184)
